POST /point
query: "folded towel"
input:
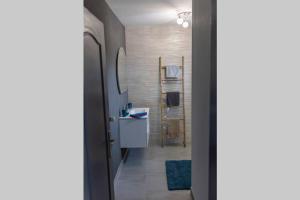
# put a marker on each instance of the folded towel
(173, 99)
(173, 71)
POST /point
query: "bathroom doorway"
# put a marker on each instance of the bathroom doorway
(156, 39)
(158, 48)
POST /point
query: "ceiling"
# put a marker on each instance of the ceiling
(149, 12)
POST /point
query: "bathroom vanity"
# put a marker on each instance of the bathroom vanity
(134, 133)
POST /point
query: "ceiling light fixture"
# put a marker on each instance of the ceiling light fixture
(185, 24)
(180, 21)
(184, 18)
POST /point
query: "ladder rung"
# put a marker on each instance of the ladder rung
(171, 79)
(166, 93)
(164, 66)
(172, 118)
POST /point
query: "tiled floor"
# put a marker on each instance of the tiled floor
(143, 175)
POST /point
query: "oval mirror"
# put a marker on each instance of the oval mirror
(122, 71)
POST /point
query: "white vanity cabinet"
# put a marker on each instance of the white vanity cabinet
(134, 133)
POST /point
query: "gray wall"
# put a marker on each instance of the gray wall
(204, 101)
(114, 38)
(144, 46)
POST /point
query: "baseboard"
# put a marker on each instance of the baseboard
(116, 179)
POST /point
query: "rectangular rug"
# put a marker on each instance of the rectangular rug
(178, 174)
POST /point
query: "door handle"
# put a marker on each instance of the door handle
(112, 119)
(111, 141)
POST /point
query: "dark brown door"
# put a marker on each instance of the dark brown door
(96, 138)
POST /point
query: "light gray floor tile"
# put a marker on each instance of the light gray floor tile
(156, 183)
(143, 175)
(131, 190)
(170, 195)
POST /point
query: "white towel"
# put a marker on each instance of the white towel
(173, 71)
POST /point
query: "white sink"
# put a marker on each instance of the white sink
(137, 110)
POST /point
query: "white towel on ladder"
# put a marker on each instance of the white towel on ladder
(173, 71)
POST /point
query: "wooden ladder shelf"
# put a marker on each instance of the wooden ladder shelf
(165, 119)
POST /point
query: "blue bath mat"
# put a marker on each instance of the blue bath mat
(178, 174)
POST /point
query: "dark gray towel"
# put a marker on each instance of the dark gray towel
(173, 99)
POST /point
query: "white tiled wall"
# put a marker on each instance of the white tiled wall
(144, 45)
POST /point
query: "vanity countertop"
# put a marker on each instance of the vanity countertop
(136, 110)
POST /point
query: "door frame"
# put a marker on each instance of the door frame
(213, 106)
(94, 27)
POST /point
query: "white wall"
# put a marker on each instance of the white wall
(144, 45)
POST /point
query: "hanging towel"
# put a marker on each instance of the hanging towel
(173, 99)
(173, 71)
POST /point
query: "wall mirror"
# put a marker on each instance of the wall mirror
(122, 71)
